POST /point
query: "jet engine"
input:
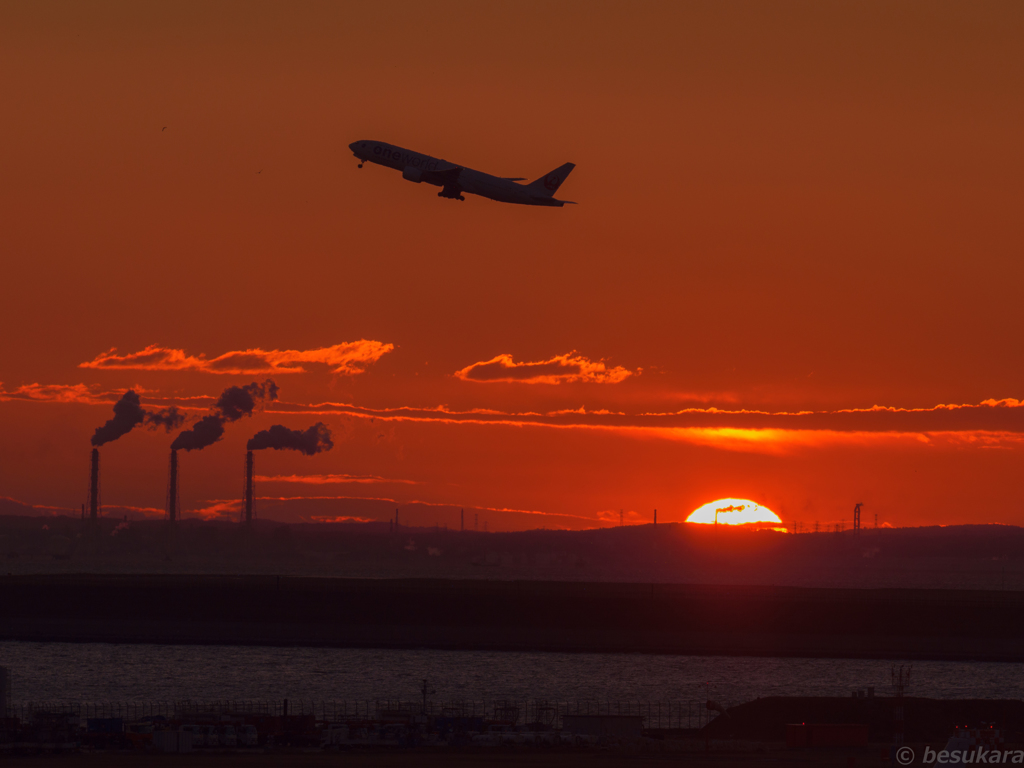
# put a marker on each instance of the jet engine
(409, 173)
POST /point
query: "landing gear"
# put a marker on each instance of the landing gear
(359, 166)
(453, 194)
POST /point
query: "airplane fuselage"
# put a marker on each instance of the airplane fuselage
(455, 179)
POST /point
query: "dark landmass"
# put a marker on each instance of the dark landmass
(925, 720)
(939, 593)
(514, 615)
(982, 557)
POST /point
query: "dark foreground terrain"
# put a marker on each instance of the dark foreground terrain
(925, 720)
(750, 734)
(836, 758)
(975, 557)
(514, 615)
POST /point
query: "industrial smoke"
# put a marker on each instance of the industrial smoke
(310, 442)
(128, 414)
(233, 404)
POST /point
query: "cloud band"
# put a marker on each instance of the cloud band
(348, 358)
(560, 369)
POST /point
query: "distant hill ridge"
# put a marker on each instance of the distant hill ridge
(979, 557)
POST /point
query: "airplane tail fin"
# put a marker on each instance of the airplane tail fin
(549, 183)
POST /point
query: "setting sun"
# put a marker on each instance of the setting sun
(732, 512)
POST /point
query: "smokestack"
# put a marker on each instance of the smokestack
(655, 517)
(172, 489)
(94, 486)
(462, 520)
(248, 486)
(279, 437)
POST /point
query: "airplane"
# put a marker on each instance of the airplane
(456, 179)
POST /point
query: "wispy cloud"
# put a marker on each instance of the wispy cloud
(217, 509)
(407, 504)
(119, 510)
(411, 507)
(331, 479)
(560, 369)
(349, 358)
(340, 519)
(90, 394)
(59, 393)
(628, 516)
(9, 506)
(989, 424)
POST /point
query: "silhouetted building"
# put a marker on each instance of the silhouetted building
(172, 489)
(619, 726)
(248, 486)
(94, 486)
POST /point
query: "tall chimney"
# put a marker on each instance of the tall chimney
(248, 486)
(172, 489)
(94, 486)
(655, 517)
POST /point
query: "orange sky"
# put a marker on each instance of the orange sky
(784, 208)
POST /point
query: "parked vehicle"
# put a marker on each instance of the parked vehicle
(333, 735)
(247, 736)
(198, 735)
(226, 736)
(139, 735)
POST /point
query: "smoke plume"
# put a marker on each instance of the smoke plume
(312, 441)
(207, 431)
(168, 418)
(233, 404)
(236, 402)
(128, 414)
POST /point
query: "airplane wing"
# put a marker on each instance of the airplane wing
(447, 180)
(443, 178)
(512, 178)
(550, 201)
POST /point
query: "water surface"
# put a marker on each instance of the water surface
(97, 672)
